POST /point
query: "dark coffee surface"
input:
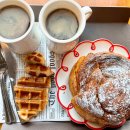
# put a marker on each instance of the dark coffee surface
(14, 22)
(62, 24)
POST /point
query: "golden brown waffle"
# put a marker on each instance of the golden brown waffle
(30, 101)
(30, 93)
(31, 105)
(41, 82)
(35, 58)
(27, 115)
(38, 70)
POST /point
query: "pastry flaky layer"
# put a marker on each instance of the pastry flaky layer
(100, 86)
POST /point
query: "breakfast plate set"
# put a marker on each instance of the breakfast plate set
(66, 61)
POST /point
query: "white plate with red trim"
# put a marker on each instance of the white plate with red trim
(62, 76)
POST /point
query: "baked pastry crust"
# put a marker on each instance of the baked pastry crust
(100, 85)
(74, 87)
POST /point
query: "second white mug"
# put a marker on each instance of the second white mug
(82, 14)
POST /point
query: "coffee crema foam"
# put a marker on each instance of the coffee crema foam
(14, 22)
(62, 24)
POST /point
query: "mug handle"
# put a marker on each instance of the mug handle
(87, 11)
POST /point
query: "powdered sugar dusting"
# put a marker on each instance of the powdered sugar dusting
(88, 101)
(105, 92)
(113, 71)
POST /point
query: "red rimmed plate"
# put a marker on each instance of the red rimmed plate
(62, 76)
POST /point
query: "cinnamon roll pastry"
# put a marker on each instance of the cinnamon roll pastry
(100, 85)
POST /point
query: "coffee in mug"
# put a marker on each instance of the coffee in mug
(63, 34)
(62, 24)
(17, 27)
(14, 22)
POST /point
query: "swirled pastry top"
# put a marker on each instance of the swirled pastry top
(103, 86)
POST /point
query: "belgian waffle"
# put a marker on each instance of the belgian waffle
(31, 105)
(30, 101)
(38, 70)
(35, 58)
(42, 82)
(26, 115)
(30, 93)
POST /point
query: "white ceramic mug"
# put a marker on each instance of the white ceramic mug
(28, 42)
(82, 14)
